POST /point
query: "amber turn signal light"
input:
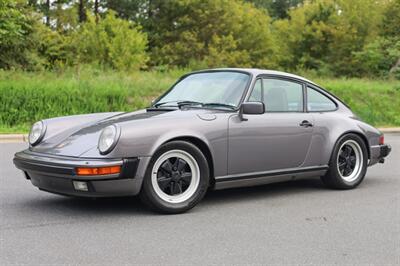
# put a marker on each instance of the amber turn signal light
(98, 170)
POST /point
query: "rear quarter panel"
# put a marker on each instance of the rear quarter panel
(329, 127)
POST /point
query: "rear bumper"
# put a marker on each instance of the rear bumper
(56, 174)
(379, 153)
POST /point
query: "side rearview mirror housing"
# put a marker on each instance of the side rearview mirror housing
(251, 108)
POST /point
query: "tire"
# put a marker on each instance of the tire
(176, 178)
(348, 163)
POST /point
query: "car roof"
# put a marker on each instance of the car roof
(257, 71)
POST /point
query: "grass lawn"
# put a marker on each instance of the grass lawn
(29, 97)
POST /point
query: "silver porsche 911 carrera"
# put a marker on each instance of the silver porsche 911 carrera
(214, 129)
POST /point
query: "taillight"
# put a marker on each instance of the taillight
(381, 139)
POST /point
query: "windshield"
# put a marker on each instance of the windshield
(218, 89)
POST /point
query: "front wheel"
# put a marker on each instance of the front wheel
(176, 179)
(348, 163)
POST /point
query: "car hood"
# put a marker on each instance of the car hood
(78, 140)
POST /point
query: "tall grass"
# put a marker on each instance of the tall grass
(375, 101)
(28, 97)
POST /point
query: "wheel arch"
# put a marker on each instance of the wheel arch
(362, 136)
(203, 147)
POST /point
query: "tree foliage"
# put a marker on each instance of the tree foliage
(212, 33)
(111, 42)
(330, 37)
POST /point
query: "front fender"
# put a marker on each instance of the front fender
(142, 138)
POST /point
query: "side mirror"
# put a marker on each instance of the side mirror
(251, 108)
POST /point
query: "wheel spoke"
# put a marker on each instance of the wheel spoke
(179, 185)
(166, 167)
(348, 150)
(181, 164)
(353, 160)
(342, 170)
(186, 177)
(163, 182)
(348, 169)
(175, 164)
(342, 165)
(342, 155)
(175, 189)
(171, 188)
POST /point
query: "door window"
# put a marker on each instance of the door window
(317, 102)
(282, 95)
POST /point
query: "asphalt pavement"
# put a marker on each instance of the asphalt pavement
(299, 222)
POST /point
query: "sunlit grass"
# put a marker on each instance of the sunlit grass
(28, 97)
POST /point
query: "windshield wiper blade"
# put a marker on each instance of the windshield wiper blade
(184, 103)
(163, 103)
(178, 103)
(230, 106)
(181, 104)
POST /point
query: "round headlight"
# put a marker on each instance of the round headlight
(37, 133)
(108, 139)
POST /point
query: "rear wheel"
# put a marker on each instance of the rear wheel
(348, 163)
(176, 178)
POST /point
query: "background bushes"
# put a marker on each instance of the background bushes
(27, 97)
(352, 38)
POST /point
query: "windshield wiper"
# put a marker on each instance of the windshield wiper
(163, 103)
(184, 103)
(179, 104)
(230, 106)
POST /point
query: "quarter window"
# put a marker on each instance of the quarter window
(317, 102)
(282, 95)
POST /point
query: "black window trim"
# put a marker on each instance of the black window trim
(284, 78)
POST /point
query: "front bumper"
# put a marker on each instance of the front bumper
(378, 153)
(56, 174)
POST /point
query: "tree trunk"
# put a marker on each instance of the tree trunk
(47, 12)
(150, 10)
(96, 10)
(82, 11)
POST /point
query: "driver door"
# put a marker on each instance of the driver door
(280, 138)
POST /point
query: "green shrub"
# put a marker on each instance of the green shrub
(112, 42)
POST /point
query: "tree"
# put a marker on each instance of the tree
(278, 9)
(381, 56)
(211, 33)
(324, 35)
(112, 42)
(25, 42)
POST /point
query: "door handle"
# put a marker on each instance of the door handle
(305, 123)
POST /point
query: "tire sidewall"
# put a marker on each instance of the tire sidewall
(151, 198)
